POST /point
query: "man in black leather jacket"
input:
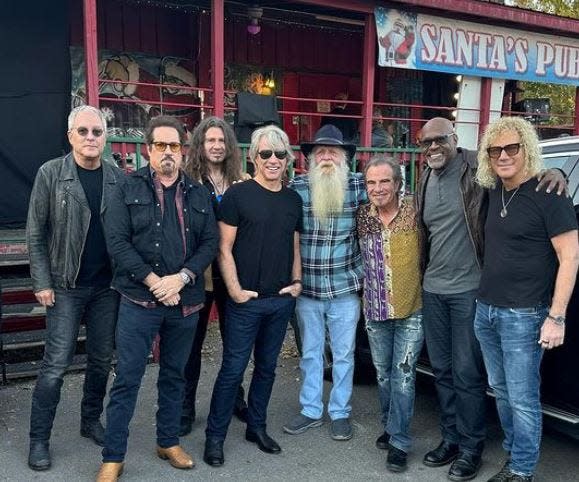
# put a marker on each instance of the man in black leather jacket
(71, 275)
(162, 235)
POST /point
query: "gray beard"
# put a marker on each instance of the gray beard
(328, 191)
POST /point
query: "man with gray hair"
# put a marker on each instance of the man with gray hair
(332, 268)
(259, 255)
(71, 276)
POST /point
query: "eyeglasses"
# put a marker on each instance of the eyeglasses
(496, 151)
(83, 131)
(438, 140)
(266, 154)
(162, 146)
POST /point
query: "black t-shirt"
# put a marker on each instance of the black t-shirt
(173, 252)
(264, 244)
(520, 263)
(95, 266)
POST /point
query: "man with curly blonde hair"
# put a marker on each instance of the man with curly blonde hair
(530, 264)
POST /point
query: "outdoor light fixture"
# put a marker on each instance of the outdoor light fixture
(454, 113)
(458, 78)
(254, 13)
(456, 95)
(269, 81)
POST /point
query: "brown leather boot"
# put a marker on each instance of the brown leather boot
(176, 456)
(110, 471)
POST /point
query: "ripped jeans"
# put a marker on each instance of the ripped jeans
(395, 346)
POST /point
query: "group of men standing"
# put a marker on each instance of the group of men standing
(311, 247)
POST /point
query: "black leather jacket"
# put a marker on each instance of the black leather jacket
(58, 221)
(133, 230)
(474, 204)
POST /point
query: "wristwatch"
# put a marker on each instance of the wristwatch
(185, 277)
(558, 319)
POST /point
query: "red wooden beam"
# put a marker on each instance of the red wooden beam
(485, 105)
(527, 19)
(217, 56)
(368, 75)
(91, 58)
(360, 6)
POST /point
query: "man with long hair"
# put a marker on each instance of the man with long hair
(530, 264)
(213, 160)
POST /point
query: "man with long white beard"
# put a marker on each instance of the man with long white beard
(332, 275)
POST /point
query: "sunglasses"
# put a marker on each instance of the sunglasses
(162, 146)
(266, 154)
(438, 140)
(511, 150)
(83, 131)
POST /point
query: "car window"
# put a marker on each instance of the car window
(556, 162)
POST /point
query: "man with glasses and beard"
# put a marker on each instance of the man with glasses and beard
(259, 256)
(161, 233)
(451, 210)
(332, 277)
(71, 276)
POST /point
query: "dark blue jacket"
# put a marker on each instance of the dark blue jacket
(134, 237)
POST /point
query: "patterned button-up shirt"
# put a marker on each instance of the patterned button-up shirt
(391, 262)
(331, 260)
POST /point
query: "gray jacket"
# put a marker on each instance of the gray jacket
(58, 221)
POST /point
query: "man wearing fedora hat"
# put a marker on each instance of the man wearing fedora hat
(332, 276)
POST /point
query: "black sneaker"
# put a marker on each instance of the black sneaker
(503, 475)
(396, 460)
(382, 442)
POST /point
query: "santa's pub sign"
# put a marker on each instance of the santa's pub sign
(415, 41)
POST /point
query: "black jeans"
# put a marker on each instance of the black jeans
(259, 325)
(457, 363)
(97, 307)
(193, 367)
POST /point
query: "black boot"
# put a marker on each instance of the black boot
(39, 456)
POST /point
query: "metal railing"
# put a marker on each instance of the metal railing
(130, 154)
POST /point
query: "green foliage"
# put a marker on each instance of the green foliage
(562, 96)
(563, 8)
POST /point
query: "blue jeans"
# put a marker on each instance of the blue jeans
(136, 329)
(260, 325)
(395, 346)
(97, 307)
(458, 367)
(340, 315)
(509, 341)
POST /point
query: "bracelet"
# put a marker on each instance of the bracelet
(558, 320)
(297, 281)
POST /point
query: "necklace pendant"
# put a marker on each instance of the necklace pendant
(503, 213)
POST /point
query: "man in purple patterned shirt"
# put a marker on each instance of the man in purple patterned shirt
(388, 236)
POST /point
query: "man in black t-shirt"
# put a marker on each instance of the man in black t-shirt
(259, 223)
(530, 264)
(71, 276)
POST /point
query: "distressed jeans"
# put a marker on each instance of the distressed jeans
(97, 307)
(395, 345)
(340, 315)
(509, 341)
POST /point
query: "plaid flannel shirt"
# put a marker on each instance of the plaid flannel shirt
(331, 259)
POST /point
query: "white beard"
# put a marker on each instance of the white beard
(328, 189)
